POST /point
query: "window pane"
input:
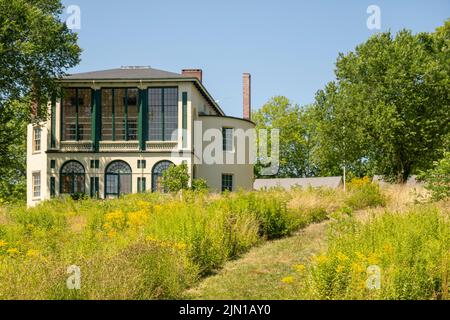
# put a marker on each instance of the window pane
(84, 114)
(107, 114)
(132, 114)
(69, 114)
(125, 183)
(154, 114)
(227, 136)
(119, 114)
(112, 184)
(170, 113)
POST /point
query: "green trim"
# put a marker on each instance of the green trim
(77, 138)
(162, 114)
(184, 119)
(125, 116)
(113, 112)
(52, 187)
(95, 118)
(142, 118)
(53, 122)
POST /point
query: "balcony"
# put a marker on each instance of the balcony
(123, 146)
(162, 146)
(76, 146)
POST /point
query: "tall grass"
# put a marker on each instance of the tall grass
(144, 246)
(410, 252)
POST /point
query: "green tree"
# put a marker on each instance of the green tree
(295, 141)
(392, 96)
(35, 50)
(176, 178)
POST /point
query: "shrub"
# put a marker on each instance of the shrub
(199, 185)
(437, 179)
(363, 194)
(176, 178)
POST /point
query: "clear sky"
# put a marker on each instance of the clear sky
(289, 47)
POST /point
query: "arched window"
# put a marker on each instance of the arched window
(72, 177)
(118, 178)
(157, 173)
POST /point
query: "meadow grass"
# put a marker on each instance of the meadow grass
(148, 246)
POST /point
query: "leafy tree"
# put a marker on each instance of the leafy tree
(295, 142)
(35, 49)
(199, 184)
(176, 178)
(437, 179)
(392, 96)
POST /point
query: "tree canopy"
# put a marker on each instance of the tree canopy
(387, 112)
(36, 48)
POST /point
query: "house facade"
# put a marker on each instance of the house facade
(115, 131)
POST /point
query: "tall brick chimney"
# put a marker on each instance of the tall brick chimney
(247, 93)
(193, 73)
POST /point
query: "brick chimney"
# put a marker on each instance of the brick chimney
(192, 73)
(247, 93)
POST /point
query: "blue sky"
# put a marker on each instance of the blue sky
(289, 47)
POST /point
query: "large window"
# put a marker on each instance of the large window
(36, 184)
(72, 177)
(76, 114)
(120, 114)
(118, 178)
(157, 174)
(162, 114)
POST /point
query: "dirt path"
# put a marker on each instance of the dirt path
(258, 273)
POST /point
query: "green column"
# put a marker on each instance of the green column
(95, 119)
(143, 118)
(53, 122)
(184, 119)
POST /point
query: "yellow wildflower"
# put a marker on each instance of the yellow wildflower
(322, 259)
(300, 268)
(32, 253)
(12, 251)
(373, 258)
(3, 243)
(288, 280)
(342, 257)
(340, 268)
(360, 256)
(357, 268)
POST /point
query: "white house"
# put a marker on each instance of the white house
(115, 131)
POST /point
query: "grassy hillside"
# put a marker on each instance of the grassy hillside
(408, 242)
(150, 246)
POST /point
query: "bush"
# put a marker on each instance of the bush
(437, 179)
(363, 194)
(176, 178)
(199, 185)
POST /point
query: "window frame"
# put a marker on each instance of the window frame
(36, 187)
(225, 139)
(118, 175)
(37, 139)
(126, 105)
(73, 176)
(162, 110)
(227, 187)
(78, 128)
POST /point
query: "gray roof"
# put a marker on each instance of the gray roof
(288, 183)
(125, 73)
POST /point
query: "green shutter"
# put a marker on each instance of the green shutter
(53, 122)
(184, 120)
(52, 187)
